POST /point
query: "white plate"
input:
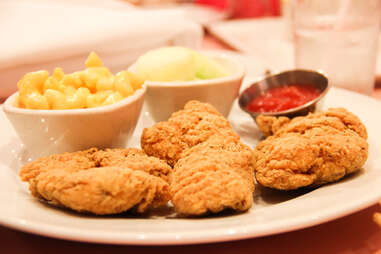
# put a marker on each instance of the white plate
(273, 211)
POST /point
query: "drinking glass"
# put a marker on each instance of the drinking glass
(339, 38)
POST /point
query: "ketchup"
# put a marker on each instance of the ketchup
(279, 99)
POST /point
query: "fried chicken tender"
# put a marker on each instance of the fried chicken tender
(100, 181)
(313, 150)
(183, 130)
(212, 168)
(212, 176)
(134, 159)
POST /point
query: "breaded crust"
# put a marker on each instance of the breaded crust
(309, 151)
(100, 181)
(212, 168)
(212, 176)
(183, 130)
(134, 159)
(103, 190)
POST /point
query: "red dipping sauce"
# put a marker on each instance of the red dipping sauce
(279, 99)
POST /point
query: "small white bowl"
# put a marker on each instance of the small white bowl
(164, 98)
(45, 132)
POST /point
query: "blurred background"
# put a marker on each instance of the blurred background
(43, 34)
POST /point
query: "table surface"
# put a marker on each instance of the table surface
(353, 234)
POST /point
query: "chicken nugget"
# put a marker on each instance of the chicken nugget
(212, 176)
(184, 129)
(310, 151)
(134, 159)
(100, 181)
(212, 168)
(102, 190)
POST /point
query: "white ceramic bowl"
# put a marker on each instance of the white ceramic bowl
(45, 132)
(164, 98)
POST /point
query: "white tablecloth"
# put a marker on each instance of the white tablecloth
(43, 35)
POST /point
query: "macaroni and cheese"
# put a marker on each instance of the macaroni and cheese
(95, 86)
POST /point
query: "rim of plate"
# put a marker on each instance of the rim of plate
(240, 233)
(205, 234)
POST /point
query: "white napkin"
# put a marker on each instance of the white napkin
(46, 35)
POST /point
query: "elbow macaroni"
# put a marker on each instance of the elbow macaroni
(95, 86)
